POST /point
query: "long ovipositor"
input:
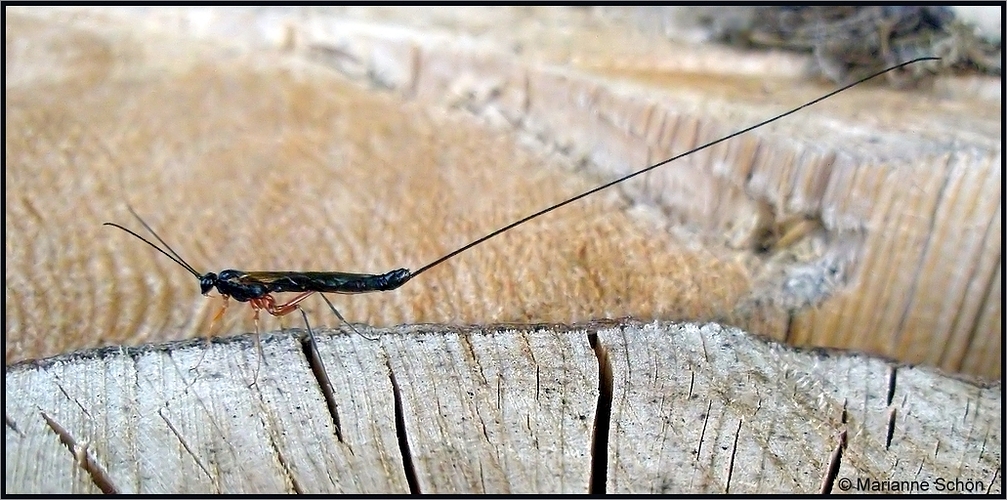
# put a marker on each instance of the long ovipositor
(257, 287)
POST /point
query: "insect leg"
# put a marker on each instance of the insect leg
(220, 314)
(213, 324)
(257, 305)
(269, 304)
(341, 318)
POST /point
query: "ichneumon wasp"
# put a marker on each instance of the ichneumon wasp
(257, 287)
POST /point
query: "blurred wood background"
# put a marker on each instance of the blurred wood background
(364, 139)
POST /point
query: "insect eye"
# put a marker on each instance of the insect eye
(206, 283)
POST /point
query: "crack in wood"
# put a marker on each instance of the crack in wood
(82, 455)
(734, 452)
(409, 468)
(291, 477)
(891, 429)
(310, 349)
(470, 355)
(538, 382)
(270, 429)
(486, 434)
(835, 460)
(982, 449)
(185, 446)
(598, 482)
(891, 385)
(73, 399)
(702, 433)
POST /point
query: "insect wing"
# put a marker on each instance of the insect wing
(309, 281)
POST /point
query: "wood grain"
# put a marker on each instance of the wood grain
(617, 407)
(364, 139)
(870, 223)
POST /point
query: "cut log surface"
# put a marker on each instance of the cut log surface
(868, 222)
(368, 139)
(617, 407)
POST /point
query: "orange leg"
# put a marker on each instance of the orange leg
(213, 324)
(256, 307)
(269, 304)
(220, 314)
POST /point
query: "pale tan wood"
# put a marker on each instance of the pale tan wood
(203, 431)
(187, 418)
(493, 409)
(234, 137)
(689, 400)
(886, 273)
(312, 159)
(883, 233)
(497, 411)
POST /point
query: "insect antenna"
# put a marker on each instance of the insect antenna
(669, 160)
(173, 256)
(173, 252)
